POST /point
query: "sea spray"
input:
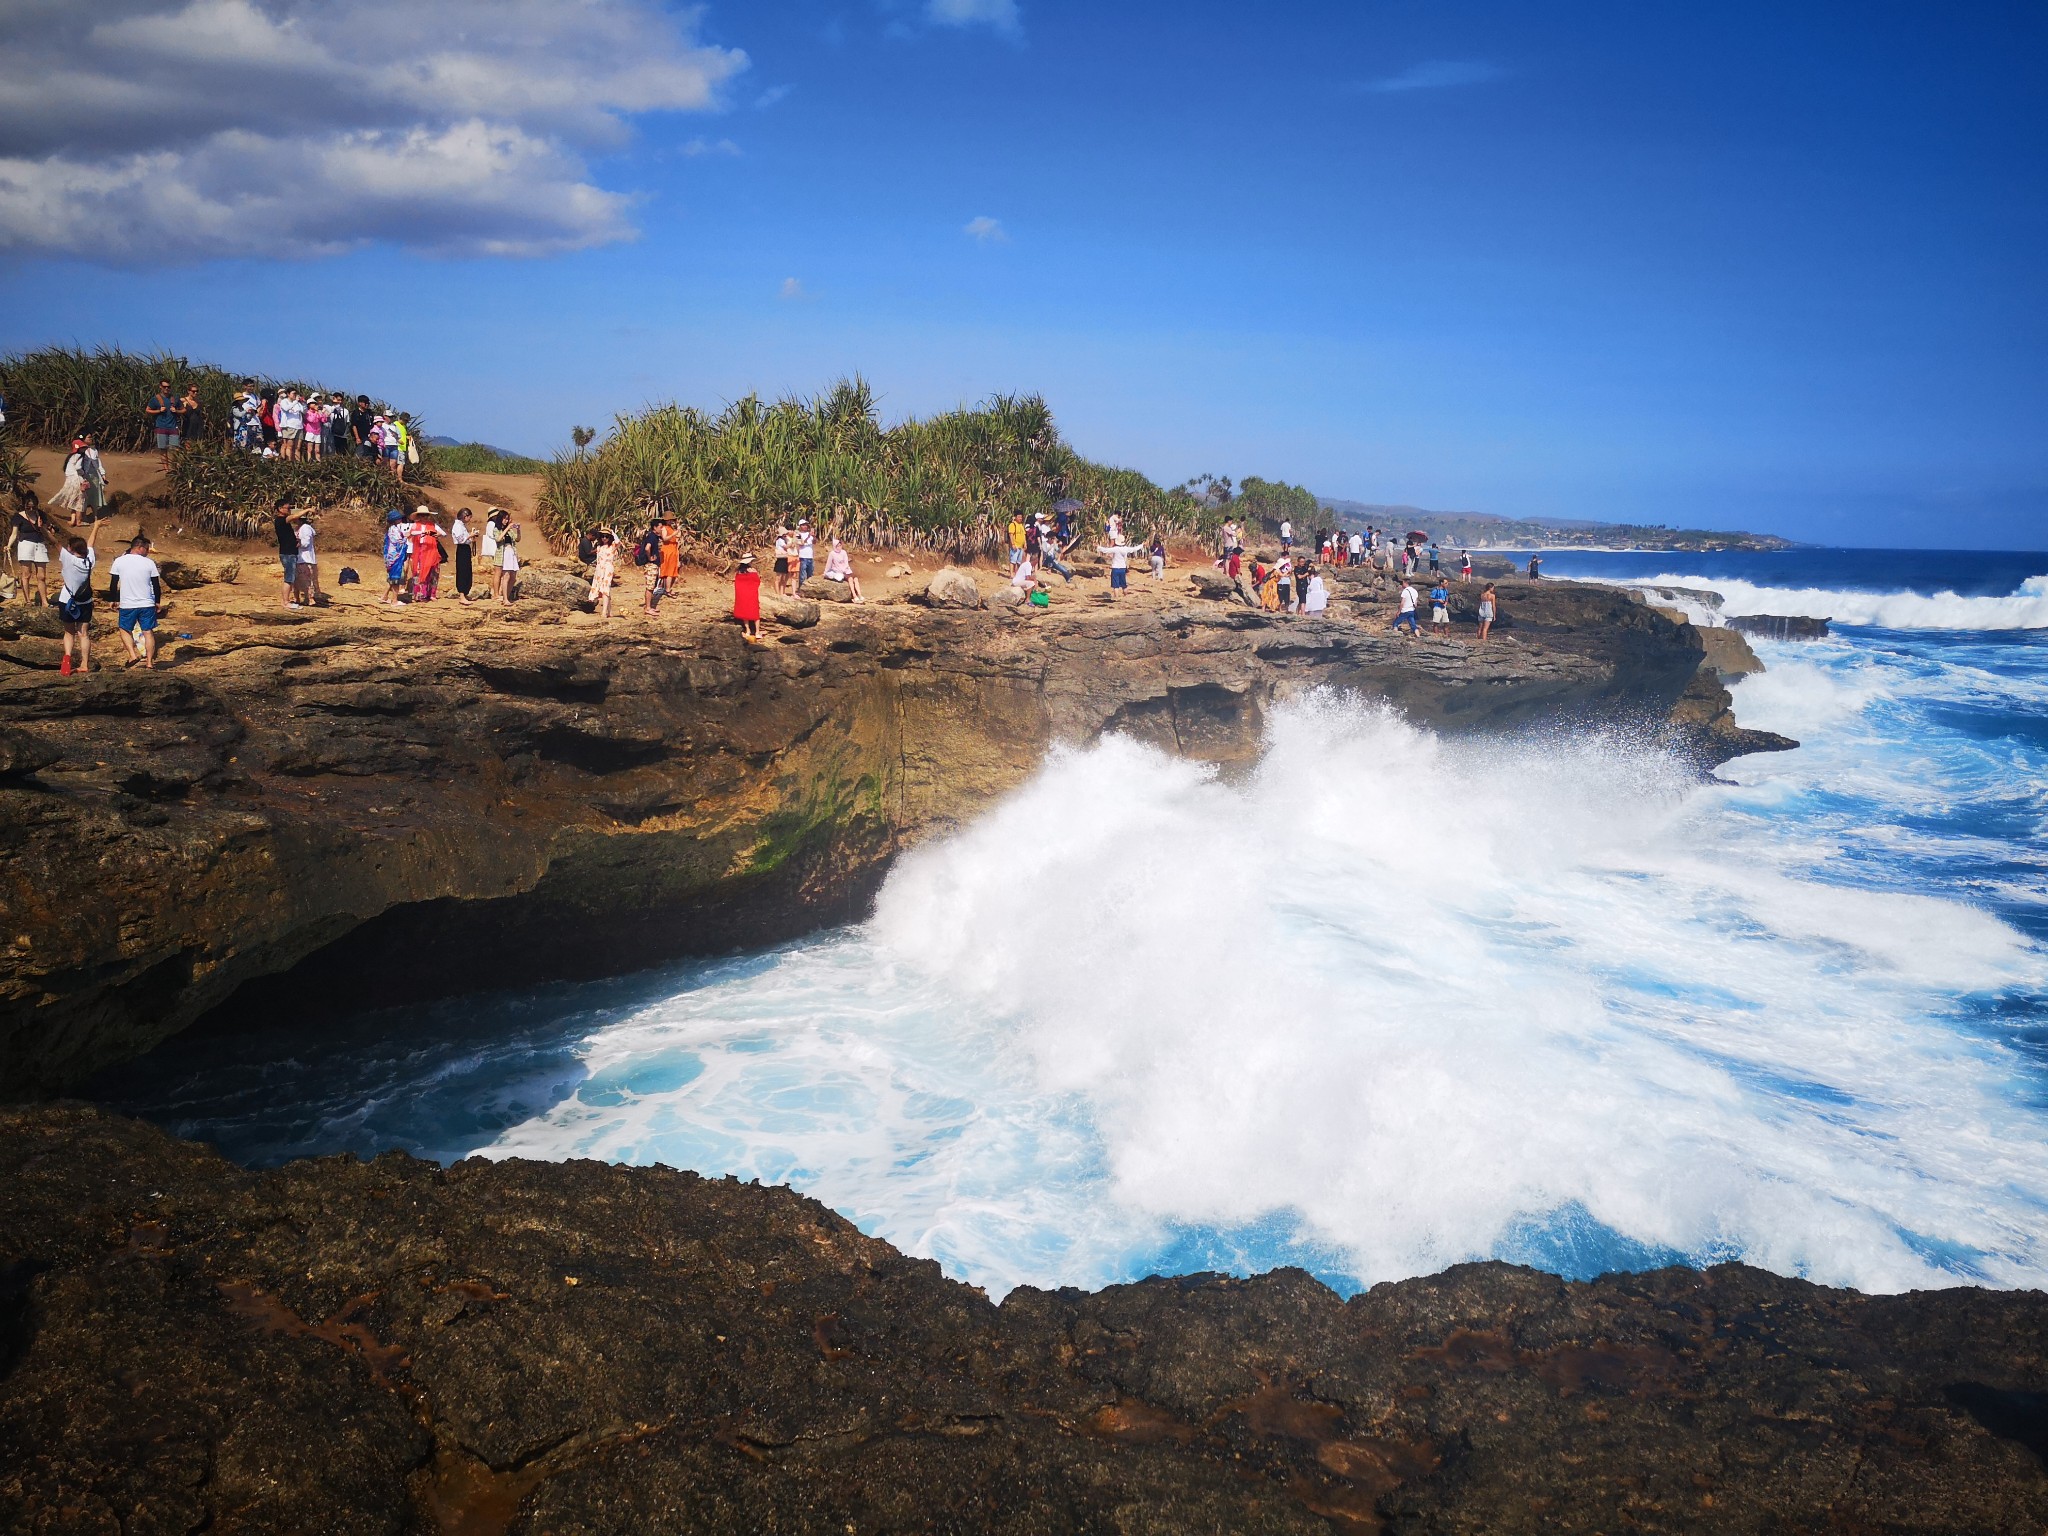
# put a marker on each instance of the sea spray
(1388, 1001)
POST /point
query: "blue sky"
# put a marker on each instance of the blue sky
(1779, 266)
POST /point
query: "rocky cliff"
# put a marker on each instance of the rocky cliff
(330, 809)
(569, 1348)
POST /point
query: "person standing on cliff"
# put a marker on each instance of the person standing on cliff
(1406, 617)
(74, 598)
(1017, 539)
(309, 563)
(806, 551)
(1465, 565)
(397, 554)
(465, 567)
(166, 415)
(508, 559)
(1489, 605)
(139, 585)
(1535, 567)
(746, 599)
(672, 556)
(1439, 604)
(604, 566)
(1119, 564)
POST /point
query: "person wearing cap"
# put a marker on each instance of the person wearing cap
(397, 553)
(746, 599)
(806, 551)
(139, 584)
(315, 426)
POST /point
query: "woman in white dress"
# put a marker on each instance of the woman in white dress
(75, 496)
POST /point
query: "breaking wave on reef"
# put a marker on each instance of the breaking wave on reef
(1388, 1002)
(2026, 607)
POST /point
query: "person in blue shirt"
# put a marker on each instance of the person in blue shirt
(1439, 602)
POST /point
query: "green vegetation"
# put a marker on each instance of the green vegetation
(230, 493)
(482, 459)
(1485, 530)
(1263, 503)
(947, 482)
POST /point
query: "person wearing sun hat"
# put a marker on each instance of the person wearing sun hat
(746, 598)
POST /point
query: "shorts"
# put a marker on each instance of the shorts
(166, 441)
(1119, 578)
(139, 618)
(391, 453)
(75, 613)
(1016, 557)
(32, 554)
(1439, 614)
(292, 434)
(291, 568)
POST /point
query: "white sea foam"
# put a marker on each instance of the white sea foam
(2025, 608)
(1391, 1001)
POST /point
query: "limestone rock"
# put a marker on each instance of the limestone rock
(789, 612)
(898, 571)
(1007, 596)
(819, 590)
(951, 587)
(553, 586)
(1728, 653)
(23, 752)
(1212, 584)
(1779, 626)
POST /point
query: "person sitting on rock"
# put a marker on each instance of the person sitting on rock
(839, 567)
(746, 599)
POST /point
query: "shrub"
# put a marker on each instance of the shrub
(947, 482)
(231, 494)
(56, 393)
(479, 459)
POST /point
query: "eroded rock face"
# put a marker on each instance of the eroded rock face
(301, 790)
(576, 1348)
(951, 587)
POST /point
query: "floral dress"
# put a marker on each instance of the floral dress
(603, 570)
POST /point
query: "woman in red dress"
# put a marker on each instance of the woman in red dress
(746, 598)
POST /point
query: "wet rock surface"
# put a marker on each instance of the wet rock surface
(340, 811)
(521, 1347)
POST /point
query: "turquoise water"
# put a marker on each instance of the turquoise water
(1392, 1002)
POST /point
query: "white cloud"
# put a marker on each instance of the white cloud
(772, 95)
(987, 230)
(1000, 14)
(791, 289)
(1436, 75)
(698, 148)
(175, 129)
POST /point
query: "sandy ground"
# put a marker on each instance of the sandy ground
(353, 540)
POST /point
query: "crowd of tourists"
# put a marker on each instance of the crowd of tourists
(289, 423)
(1294, 584)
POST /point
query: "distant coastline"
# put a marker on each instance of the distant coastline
(1489, 531)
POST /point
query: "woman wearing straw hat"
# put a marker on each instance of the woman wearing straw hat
(746, 599)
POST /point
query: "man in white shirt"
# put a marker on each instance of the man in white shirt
(138, 581)
(1357, 549)
(1405, 619)
(309, 567)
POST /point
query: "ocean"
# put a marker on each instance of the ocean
(1389, 1002)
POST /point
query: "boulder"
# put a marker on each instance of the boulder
(1728, 653)
(789, 612)
(820, 590)
(23, 752)
(951, 587)
(1007, 596)
(1211, 584)
(897, 571)
(1779, 626)
(554, 586)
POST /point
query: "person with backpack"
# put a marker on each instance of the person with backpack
(74, 599)
(1406, 619)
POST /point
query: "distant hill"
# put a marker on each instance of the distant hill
(1489, 530)
(481, 458)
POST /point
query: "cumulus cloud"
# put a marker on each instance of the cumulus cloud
(143, 130)
(1000, 14)
(987, 230)
(791, 289)
(1436, 75)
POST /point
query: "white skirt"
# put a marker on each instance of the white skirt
(72, 497)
